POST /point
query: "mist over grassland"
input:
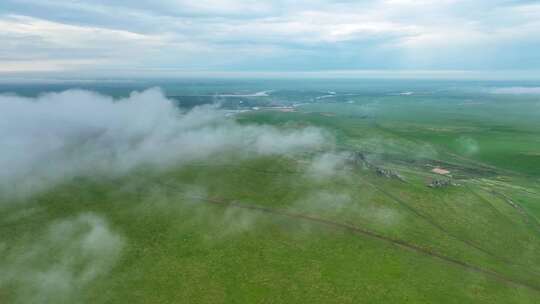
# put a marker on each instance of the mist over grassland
(53, 138)
(61, 135)
(133, 199)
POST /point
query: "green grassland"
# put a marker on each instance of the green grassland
(265, 230)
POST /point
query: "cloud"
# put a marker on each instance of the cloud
(236, 221)
(60, 135)
(44, 65)
(301, 35)
(35, 44)
(326, 201)
(327, 165)
(467, 145)
(382, 215)
(56, 265)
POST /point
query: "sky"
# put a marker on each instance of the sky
(160, 38)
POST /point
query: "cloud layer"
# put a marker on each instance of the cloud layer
(164, 36)
(61, 135)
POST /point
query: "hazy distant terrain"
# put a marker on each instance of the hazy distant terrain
(320, 191)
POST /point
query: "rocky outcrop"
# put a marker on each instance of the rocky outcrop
(440, 183)
(388, 173)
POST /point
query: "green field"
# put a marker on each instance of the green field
(279, 229)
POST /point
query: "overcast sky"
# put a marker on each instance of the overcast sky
(164, 37)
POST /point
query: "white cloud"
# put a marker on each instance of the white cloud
(60, 135)
(326, 201)
(66, 257)
(44, 65)
(235, 7)
(65, 35)
(214, 35)
(32, 44)
(327, 165)
(468, 145)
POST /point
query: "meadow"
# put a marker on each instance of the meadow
(352, 221)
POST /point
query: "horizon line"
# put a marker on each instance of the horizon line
(171, 74)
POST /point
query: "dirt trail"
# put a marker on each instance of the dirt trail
(364, 232)
(411, 209)
(439, 227)
(527, 218)
(512, 204)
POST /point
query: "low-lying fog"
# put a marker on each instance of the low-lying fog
(59, 135)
